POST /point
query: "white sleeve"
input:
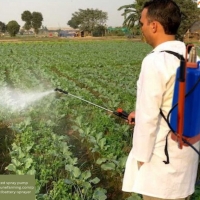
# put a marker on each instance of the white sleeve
(150, 88)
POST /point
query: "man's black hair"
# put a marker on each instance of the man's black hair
(166, 12)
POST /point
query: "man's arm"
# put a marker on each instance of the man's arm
(151, 87)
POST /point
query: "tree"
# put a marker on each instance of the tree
(37, 21)
(74, 22)
(88, 20)
(2, 27)
(27, 17)
(99, 31)
(13, 28)
(190, 14)
(132, 13)
(32, 20)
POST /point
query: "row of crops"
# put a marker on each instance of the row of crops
(75, 150)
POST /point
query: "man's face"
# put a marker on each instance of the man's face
(145, 26)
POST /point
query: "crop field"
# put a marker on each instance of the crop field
(76, 151)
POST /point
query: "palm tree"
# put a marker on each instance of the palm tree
(132, 14)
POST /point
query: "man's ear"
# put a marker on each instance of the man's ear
(154, 26)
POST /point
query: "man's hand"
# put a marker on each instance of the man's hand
(130, 117)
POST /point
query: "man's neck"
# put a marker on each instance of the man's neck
(161, 39)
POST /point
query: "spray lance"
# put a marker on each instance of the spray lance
(119, 112)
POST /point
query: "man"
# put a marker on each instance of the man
(145, 172)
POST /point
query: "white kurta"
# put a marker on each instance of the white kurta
(154, 91)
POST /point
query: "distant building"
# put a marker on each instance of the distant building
(81, 33)
(194, 31)
(61, 32)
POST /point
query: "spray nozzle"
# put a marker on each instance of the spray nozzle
(62, 91)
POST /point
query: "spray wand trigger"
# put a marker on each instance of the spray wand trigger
(123, 114)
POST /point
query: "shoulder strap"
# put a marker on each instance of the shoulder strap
(179, 56)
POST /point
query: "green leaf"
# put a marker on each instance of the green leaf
(86, 185)
(11, 167)
(95, 180)
(76, 172)
(69, 182)
(99, 136)
(102, 143)
(99, 194)
(27, 121)
(31, 171)
(87, 131)
(86, 175)
(21, 154)
(20, 172)
(108, 166)
(134, 197)
(101, 160)
(79, 121)
(122, 161)
(28, 163)
(28, 148)
(16, 162)
(69, 168)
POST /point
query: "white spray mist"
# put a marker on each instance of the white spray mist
(17, 101)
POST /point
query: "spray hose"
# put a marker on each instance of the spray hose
(119, 112)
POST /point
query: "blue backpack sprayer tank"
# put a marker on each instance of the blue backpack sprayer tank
(185, 112)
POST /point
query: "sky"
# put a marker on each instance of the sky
(56, 13)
